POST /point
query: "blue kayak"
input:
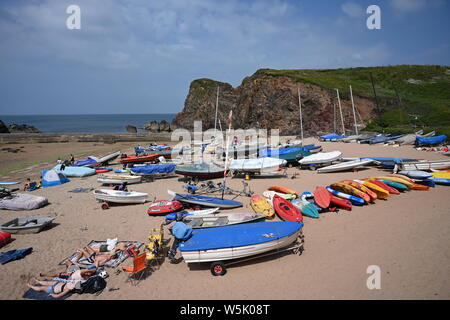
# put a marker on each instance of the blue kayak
(208, 201)
(239, 235)
(441, 181)
(427, 182)
(355, 200)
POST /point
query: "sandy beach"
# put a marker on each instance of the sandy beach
(407, 236)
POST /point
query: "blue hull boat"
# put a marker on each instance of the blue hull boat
(208, 201)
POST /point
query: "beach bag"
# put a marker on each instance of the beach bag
(181, 231)
(5, 238)
(94, 284)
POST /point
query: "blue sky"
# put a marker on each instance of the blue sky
(139, 56)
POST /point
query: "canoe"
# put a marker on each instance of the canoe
(261, 205)
(164, 207)
(396, 179)
(424, 165)
(139, 159)
(381, 193)
(321, 157)
(341, 203)
(416, 174)
(396, 185)
(74, 171)
(373, 196)
(238, 241)
(286, 210)
(342, 187)
(221, 219)
(259, 165)
(386, 187)
(306, 208)
(354, 200)
(206, 201)
(116, 196)
(322, 197)
(26, 225)
(345, 165)
(118, 179)
(202, 170)
(282, 189)
(271, 194)
(442, 175)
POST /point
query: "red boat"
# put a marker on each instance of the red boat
(286, 210)
(164, 206)
(341, 203)
(322, 197)
(139, 159)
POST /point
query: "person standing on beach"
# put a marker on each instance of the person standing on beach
(59, 161)
(72, 159)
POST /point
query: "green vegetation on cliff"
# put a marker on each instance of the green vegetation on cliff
(409, 96)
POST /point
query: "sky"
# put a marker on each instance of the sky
(140, 56)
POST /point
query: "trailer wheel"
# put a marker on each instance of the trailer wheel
(218, 269)
(105, 206)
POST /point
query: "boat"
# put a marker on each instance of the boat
(441, 175)
(260, 165)
(154, 170)
(341, 203)
(306, 208)
(396, 179)
(8, 183)
(384, 186)
(116, 196)
(347, 165)
(441, 181)
(238, 241)
(411, 138)
(281, 189)
(373, 196)
(201, 170)
(112, 178)
(424, 165)
(92, 161)
(271, 194)
(259, 204)
(322, 197)
(286, 210)
(27, 225)
(164, 207)
(173, 215)
(346, 188)
(102, 170)
(74, 171)
(166, 152)
(139, 159)
(397, 185)
(354, 200)
(290, 154)
(416, 174)
(430, 141)
(381, 138)
(321, 158)
(381, 193)
(199, 221)
(331, 137)
(206, 201)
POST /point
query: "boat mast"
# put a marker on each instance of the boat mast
(230, 117)
(340, 110)
(217, 108)
(353, 106)
(301, 117)
(334, 116)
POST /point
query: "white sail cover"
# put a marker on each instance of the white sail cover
(321, 157)
(259, 165)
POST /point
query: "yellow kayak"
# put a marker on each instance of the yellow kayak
(381, 193)
(441, 175)
(261, 205)
(396, 179)
(401, 176)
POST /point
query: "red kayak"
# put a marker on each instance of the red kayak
(383, 185)
(322, 197)
(286, 210)
(139, 159)
(164, 206)
(102, 170)
(341, 203)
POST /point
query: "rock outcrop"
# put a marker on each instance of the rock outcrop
(3, 127)
(131, 129)
(268, 102)
(22, 128)
(155, 126)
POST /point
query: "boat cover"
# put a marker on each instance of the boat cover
(239, 235)
(22, 201)
(87, 162)
(331, 136)
(154, 168)
(279, 152)
(75, 171)
(431, 140)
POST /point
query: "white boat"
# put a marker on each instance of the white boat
(109, 157)
(27, 225)
(260, 165)
(347, 165)
(118, 179)
(116, 196)
(423, 165)
(198, 221)
(321, 157)
(202, 212)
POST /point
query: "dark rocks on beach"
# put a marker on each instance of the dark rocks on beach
(155, 126)
(131, 129)
(22, 128)
(3, 127)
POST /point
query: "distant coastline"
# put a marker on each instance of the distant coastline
(86, 123)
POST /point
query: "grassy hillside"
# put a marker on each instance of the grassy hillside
(403, 91)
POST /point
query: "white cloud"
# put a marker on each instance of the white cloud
(352, 9)
(406, 6)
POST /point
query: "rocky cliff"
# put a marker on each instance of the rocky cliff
(271, 102)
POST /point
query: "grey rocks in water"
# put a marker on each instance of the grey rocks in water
(3, 127)
(131, 129)
(17, 128)
(155, 126)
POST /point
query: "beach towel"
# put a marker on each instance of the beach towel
(12, 255)
(39, 295)
(113, 263)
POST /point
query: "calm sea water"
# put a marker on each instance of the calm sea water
(86, 122)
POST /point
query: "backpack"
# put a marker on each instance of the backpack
(92, 285)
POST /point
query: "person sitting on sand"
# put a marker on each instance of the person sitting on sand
(122, 186)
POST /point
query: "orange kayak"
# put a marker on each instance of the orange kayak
(420, 187)
(373, 196)
(401, 176)
(346, 188)
(283, 190)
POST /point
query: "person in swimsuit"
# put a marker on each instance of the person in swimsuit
(56, 289)
(93, 256)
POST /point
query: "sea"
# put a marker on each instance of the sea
(89, 123)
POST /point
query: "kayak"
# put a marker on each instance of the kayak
(381, 193)
(386, 187)
(354, 200)
(206, 201)
(401, 177)
(164, 206)
(416, 174)
(284, 190)
(342, 187)
(420, 187)
(373, 196)
(286, 210)
(442, 175)
(271, 194)
(396, 185)
(396, 179)
(341, 203)
(261, 205)
(322, 197)
(139, 159)
(427, 182)
(102, 170)
(441, 181)
(307, 209)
